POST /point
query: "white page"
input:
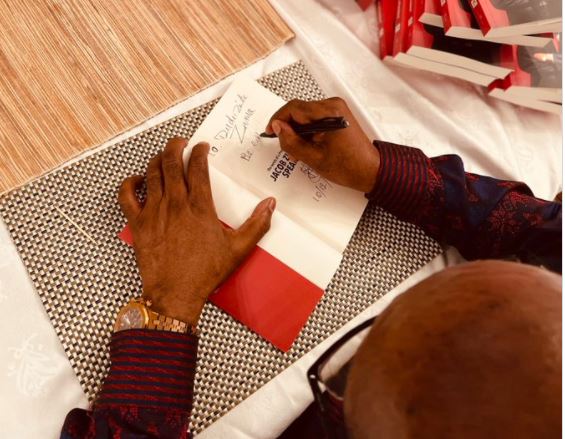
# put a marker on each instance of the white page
(287, 241)
(327, 210)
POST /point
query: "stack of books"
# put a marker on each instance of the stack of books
(511, 47)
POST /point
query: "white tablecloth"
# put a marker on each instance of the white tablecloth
(439, 115)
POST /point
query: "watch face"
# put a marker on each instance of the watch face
(130, 318)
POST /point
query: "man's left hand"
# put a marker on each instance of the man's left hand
(183, 251)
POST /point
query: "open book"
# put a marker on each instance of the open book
(278, 286)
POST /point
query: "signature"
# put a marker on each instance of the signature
(321, 185)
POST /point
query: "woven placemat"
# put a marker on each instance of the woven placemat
(75, 73)
(82, 284)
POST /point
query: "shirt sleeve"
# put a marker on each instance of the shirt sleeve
(148, 391)
(481, 216)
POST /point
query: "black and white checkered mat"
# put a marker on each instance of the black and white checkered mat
(82, 283)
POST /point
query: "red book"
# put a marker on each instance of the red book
(459, 21)
(431, 44)
(503, 18)
(496, 91)
(386, 16)
(537, 75)
(421, 38)
(266, 295)
(431, 14)
(401, 23)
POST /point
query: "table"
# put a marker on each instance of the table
(438, 115)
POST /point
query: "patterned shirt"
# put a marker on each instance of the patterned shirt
(148, 391)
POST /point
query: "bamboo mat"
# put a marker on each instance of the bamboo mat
(75, 73)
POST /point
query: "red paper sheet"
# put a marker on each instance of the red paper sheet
(266, 295)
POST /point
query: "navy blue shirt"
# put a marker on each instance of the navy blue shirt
(484, 218)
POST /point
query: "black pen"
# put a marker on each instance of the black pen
(318, 126)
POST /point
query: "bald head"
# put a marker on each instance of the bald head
(473, 351)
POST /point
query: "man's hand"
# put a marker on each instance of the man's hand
(345, 156)
(183, 251)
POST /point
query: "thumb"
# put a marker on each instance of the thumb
(291, 142)
(254, 228)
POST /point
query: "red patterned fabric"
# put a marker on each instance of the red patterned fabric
(481, 216)
(148, 392)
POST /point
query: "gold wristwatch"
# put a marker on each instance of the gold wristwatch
(138, 315)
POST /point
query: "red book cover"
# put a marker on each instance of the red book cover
(495, 15)
(421, 34)
(533, 67)
(457, 13)
(424, 35)
(431, 14)
(430, 8)
(459, 21)
(364, 4)
(266, 295)
(536, 80)
(403, 15)
(386, 16)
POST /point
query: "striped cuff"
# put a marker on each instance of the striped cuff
(401, 181)
(150, 369)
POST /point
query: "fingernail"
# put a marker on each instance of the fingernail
(276, 127)
(271, 204)
(263, 207)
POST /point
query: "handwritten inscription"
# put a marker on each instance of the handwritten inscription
(248, 153)
(213, 150)
(321, 185)
(237, 121)
(230, 119)
(244, 124)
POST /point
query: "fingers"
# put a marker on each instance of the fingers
(154, 176)
(295, 110)
(252, 230)
(295, 145)
(198, 177)
(127, 198)
(308, 111)
(173, 172)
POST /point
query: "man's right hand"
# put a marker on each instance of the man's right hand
(345, 156)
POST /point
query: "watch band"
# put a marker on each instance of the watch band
(164, 323)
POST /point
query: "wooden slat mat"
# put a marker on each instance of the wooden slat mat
(75, 73)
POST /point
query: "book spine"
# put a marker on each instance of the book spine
(480, 16)
(383, 37)
(414, 12)
(445, 15)
(397, 45)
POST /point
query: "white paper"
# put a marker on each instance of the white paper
(314, 219)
